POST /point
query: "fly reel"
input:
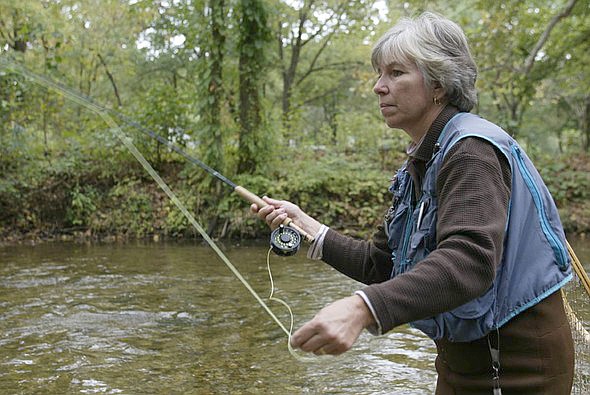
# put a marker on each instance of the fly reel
(285, 241)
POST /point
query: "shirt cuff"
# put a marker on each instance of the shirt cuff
(373, 329)
(315, 249)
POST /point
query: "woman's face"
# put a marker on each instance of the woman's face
(405, 102)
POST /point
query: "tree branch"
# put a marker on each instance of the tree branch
(321, 29)
(2, 27)
(280, 42)
(328, 66)
(324, 44)
(111, 78)
(327, 92)
(316, 97)
(336, 14)
(315, 58)
(530, 61)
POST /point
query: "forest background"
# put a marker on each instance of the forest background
(274, 94)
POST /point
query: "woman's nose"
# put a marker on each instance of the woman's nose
(380, 88)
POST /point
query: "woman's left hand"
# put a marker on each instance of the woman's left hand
(335, 328)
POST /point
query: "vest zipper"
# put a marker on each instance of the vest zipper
(556, 245)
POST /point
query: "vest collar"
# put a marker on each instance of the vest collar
(425, 150)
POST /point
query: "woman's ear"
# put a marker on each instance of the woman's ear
(437, 87)
(437, 90)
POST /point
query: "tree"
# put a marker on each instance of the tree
(508, 40)
(212, 96)
(304, 32)
(254, 37)
(569, 88)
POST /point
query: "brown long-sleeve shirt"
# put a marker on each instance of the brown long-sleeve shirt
(473, 188)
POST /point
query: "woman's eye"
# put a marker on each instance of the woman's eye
(396, 73)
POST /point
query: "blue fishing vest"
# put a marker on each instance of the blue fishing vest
(535, 262)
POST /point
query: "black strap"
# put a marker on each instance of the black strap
(495, 354)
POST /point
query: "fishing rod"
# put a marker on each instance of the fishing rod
(128, 143)
(285, 240)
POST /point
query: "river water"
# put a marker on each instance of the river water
(170, 318)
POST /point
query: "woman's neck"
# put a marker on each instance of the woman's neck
(417, 133)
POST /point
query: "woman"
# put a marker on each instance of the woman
(471, 251)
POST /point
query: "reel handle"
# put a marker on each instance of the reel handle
(253, 198)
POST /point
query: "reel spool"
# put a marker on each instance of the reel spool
(285, 241)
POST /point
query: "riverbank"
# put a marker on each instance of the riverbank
(88, 203)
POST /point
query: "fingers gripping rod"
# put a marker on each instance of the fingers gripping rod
(253, 198)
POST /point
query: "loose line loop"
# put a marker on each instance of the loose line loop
(292, 351)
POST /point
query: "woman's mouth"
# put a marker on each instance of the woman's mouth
(384, 107)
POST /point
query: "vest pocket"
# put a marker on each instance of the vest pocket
(397, 225)
(423, 240)
(475, 308)
(396, 228)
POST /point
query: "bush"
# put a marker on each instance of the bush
(76, 195)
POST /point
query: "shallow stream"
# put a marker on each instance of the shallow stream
(170, 318)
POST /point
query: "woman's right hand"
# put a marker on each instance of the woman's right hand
(277, 211)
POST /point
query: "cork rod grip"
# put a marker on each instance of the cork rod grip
(252, 198)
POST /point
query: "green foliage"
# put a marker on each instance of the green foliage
(128, 209)
(513, 77)
(568, 179)
(82, 205)
(348, 195)
(175, 223)
(211, 87)
(276, 95)
(255, 37)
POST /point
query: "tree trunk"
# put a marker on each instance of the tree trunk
(253, 32)
(212, 106)
(586, 125)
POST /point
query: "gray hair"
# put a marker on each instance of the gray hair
(439, 49)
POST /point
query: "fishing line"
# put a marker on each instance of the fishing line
(125, 119)
(87, 101)
(283, 239)
(281, 301)
(127, 141)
